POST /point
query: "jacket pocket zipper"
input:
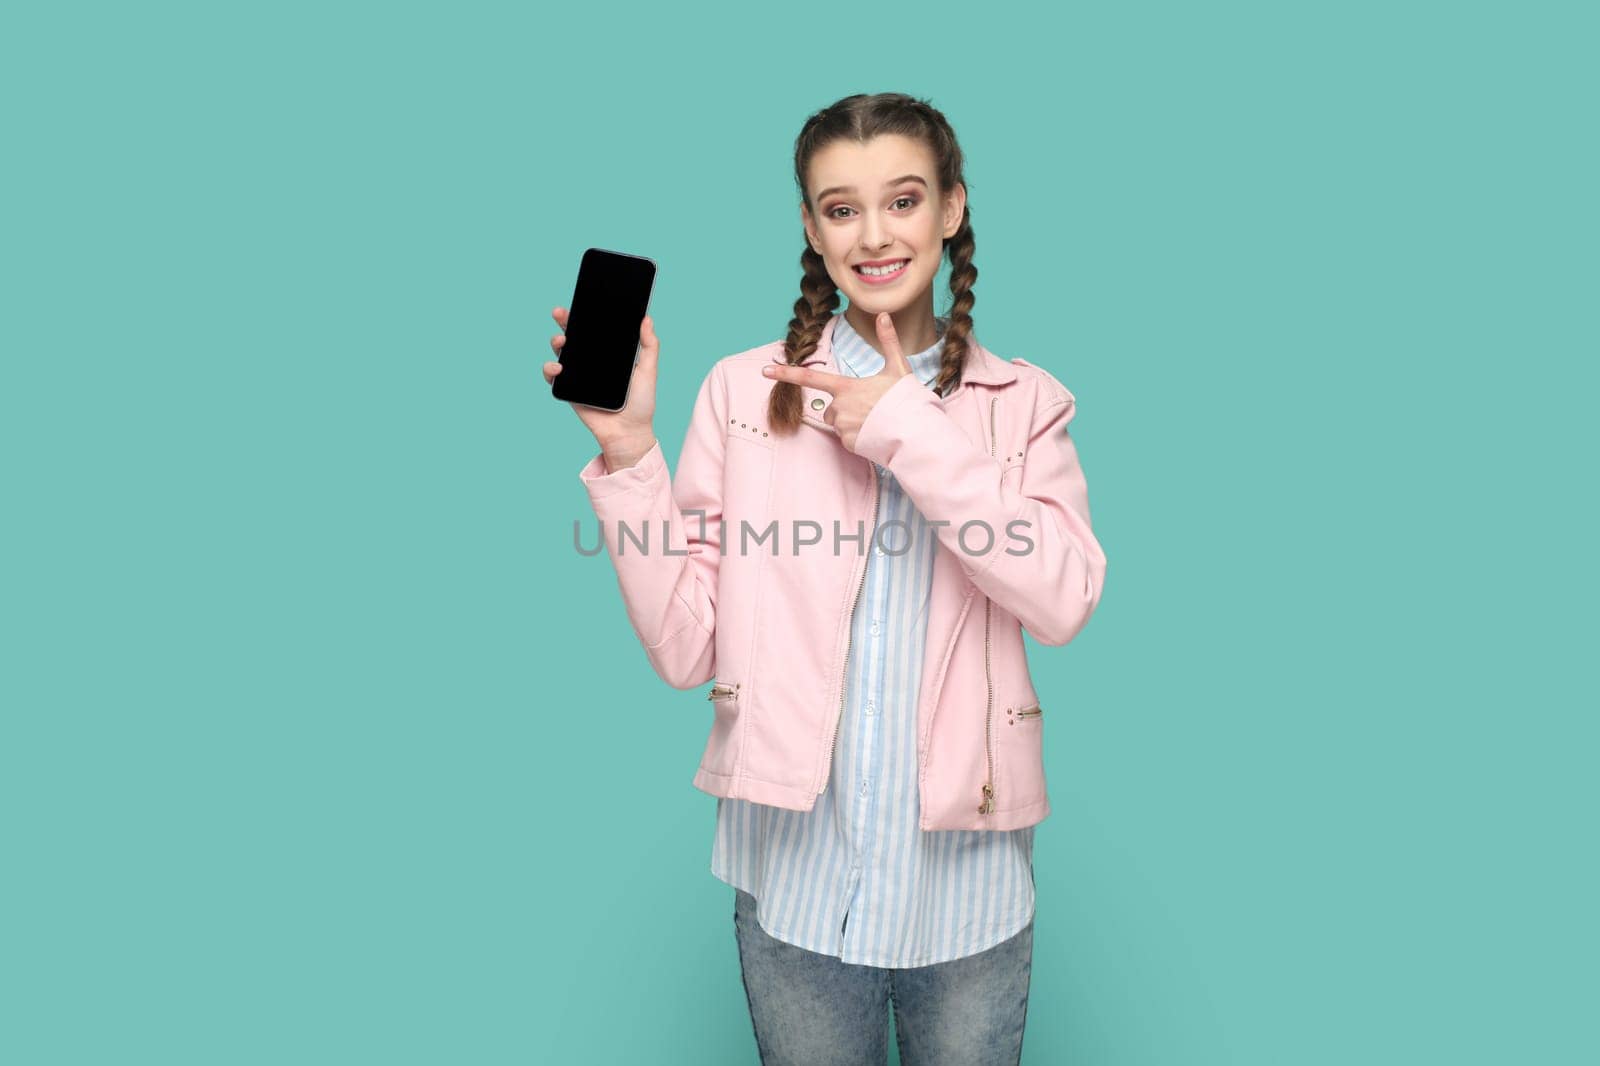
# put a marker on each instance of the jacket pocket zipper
(986, 806)
(1030, 712)
(721, 691)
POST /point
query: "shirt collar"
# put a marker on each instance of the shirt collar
(855, 356)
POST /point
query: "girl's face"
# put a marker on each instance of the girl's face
(880, 201)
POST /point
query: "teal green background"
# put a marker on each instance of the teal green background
(322, 744)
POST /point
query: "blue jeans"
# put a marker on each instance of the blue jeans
(815, 1010)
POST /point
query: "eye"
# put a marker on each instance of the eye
(911, 200)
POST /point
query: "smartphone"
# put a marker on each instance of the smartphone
(608, 306)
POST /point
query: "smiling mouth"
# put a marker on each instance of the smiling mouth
(881, 273)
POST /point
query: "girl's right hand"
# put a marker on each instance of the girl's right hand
(629, 430)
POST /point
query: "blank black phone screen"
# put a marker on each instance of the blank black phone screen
(608, 307)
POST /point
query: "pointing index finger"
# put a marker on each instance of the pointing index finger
(805, 376)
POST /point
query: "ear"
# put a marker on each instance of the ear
(811, 230)
(955, 205)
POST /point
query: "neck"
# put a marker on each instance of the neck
(914, 327)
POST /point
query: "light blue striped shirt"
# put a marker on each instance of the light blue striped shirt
(857, 877)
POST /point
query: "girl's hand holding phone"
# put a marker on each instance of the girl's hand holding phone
(853, 398)
(624, 436)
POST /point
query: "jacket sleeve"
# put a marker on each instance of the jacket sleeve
(670, 588)
(1053, 585)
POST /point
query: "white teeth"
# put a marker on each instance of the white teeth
(890, 269)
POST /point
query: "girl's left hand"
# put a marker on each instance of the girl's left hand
(853, 398)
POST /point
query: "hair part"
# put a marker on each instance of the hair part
(860, 118)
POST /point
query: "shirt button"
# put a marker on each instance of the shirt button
(874, 629)
(863, 789)
(872, 708)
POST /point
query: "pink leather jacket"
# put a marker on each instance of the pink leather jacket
(756, 594)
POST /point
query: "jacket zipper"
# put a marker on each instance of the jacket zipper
(719, 690)
(1031, 712)
(844, 674)
(987, 804)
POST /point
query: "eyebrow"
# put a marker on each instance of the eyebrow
(851, 188)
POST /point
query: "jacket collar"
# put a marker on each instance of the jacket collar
(983, 366)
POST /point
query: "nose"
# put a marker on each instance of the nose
(874, 234)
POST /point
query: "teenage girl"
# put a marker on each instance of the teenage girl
(851, 906)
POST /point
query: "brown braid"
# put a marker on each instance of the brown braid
(819, 298)
(862, 117)
(962, 274)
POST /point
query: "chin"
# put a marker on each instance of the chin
(875, 299)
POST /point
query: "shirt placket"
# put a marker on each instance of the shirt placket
(868, 634)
